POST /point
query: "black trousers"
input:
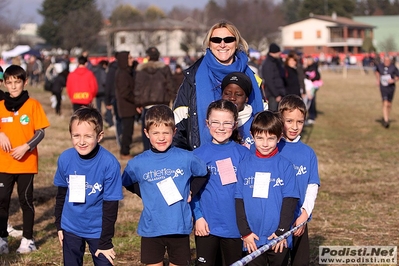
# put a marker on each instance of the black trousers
(300, 253)
(25, 196)
(271, 258)
(127, 134)
(210, 247)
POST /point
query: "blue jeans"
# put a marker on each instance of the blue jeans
(73, 248)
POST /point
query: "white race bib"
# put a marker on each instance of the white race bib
(261, 185)
(169, 191)
(77, 188)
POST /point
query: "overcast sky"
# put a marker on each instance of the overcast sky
(25, 11)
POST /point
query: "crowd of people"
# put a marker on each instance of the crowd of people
(222, 153)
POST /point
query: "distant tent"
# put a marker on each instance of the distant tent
(254, 53)
(34, 52)
(18, 50)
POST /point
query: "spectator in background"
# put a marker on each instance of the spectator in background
(335, 61)
(110, 98)
(124, 92)
(33, 69)
(81, 85)
(89, 65)
(153, 86)
(272, 74)
(387, 74)
(100, 72)
(58, 84)
(291, 79)
(178, 77)
(312, 73)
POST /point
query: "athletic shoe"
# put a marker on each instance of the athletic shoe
(3, 245)
(27, 246)
(13, 232)
(385, 124)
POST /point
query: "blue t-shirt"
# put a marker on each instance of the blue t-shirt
(148, 168)
(216, 201)
(263, 214)
(305, 164)
(103, 183)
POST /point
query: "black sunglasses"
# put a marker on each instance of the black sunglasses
(229, 39)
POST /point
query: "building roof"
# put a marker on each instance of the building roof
(340, 21)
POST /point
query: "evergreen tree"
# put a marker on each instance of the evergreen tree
(70, 23)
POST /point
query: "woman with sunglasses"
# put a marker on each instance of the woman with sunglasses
(225, 52)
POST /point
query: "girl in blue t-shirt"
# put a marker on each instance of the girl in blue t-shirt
(214, 208)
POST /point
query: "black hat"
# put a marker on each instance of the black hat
(240, 79)
(274, 48)
(153, 53)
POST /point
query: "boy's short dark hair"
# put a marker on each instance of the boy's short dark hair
(82, 60)
(267, 122)
(158, 115)
(290, 103)
(153, 53)
(15, 71)
(88, 114)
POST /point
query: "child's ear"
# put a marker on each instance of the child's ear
(146, 133)
(100, 136)
(207, 123)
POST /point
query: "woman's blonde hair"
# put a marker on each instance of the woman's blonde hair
(241, 42)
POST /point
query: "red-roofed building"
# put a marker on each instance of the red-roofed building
(326, 34)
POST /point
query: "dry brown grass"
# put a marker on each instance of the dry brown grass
(358, 198)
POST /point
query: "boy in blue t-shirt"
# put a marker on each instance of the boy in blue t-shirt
(166, 184)
(266, 194)
(293, 112)
(89, 189)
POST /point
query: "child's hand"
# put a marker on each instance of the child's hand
(60, 236)
(108, 253)
(302, 218)
(201, 227)
(279, 246)
(249, 242)
(5, 143)
(19, 152)
(189, 197)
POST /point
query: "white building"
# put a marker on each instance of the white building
(166, 34)
(326, 34)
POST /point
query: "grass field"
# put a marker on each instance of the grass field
(357, 202)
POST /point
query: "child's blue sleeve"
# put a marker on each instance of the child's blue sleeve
(128, 176)
(195, 208)
(314, 170)
(198, 167)
(290, 188)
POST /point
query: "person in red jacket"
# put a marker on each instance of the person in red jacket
(81, 85)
